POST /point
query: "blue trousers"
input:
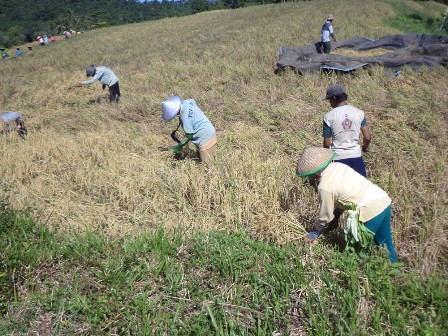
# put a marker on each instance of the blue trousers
(356, 163)
(380, 225)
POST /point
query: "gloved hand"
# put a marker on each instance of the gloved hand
(352, 224)
(176, 150)
(312, 236)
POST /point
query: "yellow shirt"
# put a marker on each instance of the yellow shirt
(340, 183)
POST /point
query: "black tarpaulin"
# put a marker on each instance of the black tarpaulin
(413, 50)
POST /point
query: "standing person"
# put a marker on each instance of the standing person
(339, 186)
(342, 127)
(327, 32)
(107, 78)
(19, 52)
(196, 126)
(7, 117)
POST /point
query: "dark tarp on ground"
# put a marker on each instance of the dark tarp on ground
(413, 50)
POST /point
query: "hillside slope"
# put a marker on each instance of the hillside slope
(97, 167)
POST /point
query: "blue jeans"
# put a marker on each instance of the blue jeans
(356, 163)
(380, 225)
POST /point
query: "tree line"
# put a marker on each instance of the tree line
(22, 20)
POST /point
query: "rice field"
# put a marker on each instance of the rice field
(96, 167)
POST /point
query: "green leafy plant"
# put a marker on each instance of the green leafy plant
(363, 245)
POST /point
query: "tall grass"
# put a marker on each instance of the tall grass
(95, 167)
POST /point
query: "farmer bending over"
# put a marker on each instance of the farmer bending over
(339, 186)
(197, 128)
(7, 117)
(106, 77)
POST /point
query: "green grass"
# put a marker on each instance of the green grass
(209, 284)
(93, 174)
(415, 20)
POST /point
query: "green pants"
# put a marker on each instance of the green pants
(380, 225)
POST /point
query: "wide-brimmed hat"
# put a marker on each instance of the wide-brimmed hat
(313, 159)
(330, 17)
(334, 90)
(90, 71)
(171, 107)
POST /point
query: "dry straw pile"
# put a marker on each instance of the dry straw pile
(95, 166)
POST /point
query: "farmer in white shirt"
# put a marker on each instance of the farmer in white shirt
(327, 32)
(342, 127)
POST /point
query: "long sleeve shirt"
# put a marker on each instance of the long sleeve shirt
(194, 122)
(340, 184)
(104, 75)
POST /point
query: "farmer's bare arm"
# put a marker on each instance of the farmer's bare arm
(327, 142)
(366, 138)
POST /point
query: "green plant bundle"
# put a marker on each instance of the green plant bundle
(365, 236)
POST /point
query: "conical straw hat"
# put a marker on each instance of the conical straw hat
(313, 159)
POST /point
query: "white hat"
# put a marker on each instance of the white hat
(314, 159)
(171, 107)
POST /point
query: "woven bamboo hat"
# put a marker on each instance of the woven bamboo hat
(313, 159)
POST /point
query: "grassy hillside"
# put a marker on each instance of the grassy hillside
(96, 167)
(122, 239)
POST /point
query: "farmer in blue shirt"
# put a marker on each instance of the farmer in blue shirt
(106, 77)
(327, 32)
(7, 117)
(196, 126)
(18, 52)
